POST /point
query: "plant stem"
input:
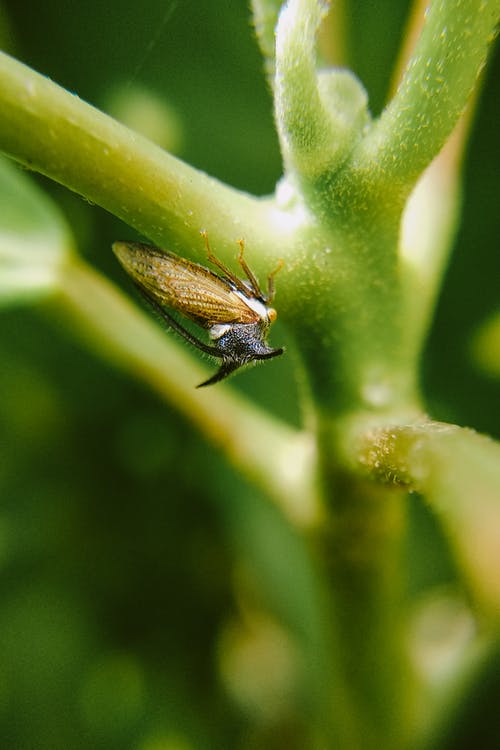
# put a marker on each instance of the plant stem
(319, 115)
(438, 81)
(265, 17)
(362, 555)
(458, 472)
(53, 132)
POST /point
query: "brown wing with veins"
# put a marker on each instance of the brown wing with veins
(187, 287)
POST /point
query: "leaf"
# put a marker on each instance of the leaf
(34, 238)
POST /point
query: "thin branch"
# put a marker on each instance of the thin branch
(332, 40)
(53, 132)
(429, 225)
(265, 17)
(414, 26)
(319, 115)
(458, 472)
(438, 81)
(431, 215)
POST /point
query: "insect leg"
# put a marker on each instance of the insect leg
(270, 281)
(249, 273)
(173, 323)
(226, 271)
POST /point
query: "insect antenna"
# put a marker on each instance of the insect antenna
(173, 323)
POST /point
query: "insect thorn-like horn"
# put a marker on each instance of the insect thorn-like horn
(225, 369)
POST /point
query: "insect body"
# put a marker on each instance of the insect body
(235, 312)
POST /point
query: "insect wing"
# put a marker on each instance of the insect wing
(187, 287)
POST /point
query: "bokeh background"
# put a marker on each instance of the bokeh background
(149, 597)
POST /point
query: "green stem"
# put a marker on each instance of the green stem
(277, 458)
(265, 17)
(438, 81)
(319, 115)
(458, 472)
(362, 555)
(55, 133)
(428, 228)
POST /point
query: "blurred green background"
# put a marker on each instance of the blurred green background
(138, 573)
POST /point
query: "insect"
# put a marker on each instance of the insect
(235, 312)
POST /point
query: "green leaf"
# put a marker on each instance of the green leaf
(34, 238)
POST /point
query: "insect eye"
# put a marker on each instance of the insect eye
(272, 314)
